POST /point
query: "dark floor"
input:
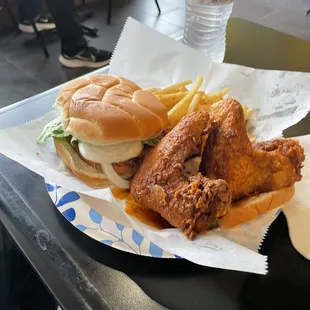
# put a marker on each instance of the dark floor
(24, 71)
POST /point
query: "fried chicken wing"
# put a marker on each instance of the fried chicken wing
(248, 169)
(191, 203)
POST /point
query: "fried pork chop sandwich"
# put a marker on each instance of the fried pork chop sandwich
(103, 124)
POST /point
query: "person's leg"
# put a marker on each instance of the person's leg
(28, 9)
(68, 29)
(74, 49)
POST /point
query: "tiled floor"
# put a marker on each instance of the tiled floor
(24, 71)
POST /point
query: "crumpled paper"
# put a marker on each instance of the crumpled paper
(151, 59)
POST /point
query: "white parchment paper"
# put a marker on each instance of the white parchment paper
(297, 211)
(19, 144)
(151, 59)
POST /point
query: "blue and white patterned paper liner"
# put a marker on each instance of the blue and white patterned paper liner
(96, 226)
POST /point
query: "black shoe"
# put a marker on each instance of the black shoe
(42, 22)
(89, 57)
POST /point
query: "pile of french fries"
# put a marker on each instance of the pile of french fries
(180, 101)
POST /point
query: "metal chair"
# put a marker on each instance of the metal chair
(7, 6)
(83, 15)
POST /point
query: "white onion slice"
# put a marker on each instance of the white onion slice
(113, 176)
(111, 153)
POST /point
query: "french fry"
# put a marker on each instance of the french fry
(202, 100)
(204, 107)
(179, 101)
(211, 98)
(225, 91)
(247, 112)
(170, 100)
(209, 102)
(152, 90)
(174, 87)
(181, 108)
(194, 105)
(252, 139)
(183, 88)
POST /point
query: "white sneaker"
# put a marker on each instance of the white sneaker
(89, 57)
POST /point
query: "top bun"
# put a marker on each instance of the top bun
(101, 109)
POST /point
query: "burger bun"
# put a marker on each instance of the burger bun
(249, 208)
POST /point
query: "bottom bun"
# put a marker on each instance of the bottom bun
(82, 170)
(249, 208)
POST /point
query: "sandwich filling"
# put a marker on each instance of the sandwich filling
(108, 154)
(113, 158)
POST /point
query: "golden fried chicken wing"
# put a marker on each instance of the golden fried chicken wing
(191, 203)
(248, 169)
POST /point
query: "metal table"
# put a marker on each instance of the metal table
(83, 274)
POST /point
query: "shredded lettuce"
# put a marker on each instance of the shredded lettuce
(52, 129)
(151, 142)
(55, 129)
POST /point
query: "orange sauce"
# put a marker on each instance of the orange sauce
(143, 214)
(122, 194)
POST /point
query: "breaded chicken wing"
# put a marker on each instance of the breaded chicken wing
(248, 169)
(191, 203)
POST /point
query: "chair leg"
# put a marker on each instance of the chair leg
(13, 19)
(109, 11)
(90, 31)
(158, 7)
(40, 38)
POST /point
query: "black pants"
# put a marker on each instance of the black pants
(64, 16)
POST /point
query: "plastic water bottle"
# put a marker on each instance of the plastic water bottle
(205, 26)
